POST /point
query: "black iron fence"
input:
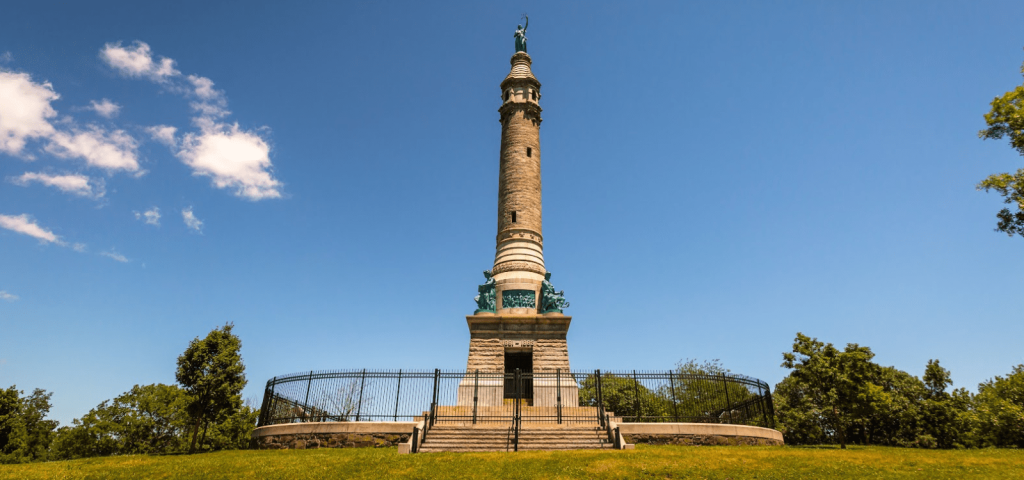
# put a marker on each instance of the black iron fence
(460, 397)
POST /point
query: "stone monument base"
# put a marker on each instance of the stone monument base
(536, 340)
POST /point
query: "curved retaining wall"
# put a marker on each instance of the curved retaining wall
(332, 435)
(391, 434)
(698, 434)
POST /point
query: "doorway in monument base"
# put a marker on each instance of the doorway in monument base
(523, 360)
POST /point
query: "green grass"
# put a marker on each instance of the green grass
(644, 462)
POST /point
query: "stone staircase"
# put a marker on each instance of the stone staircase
(494, 438)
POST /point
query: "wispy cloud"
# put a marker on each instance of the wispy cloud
(7, 296)
(75, 184)
(109, 150)
(24, 225)
(115, 256)
(6, 57)
(151, 216)
(235, 159)
(105, 108)
(136, 61)
(26, 113)
(163, 134)
(190, 219)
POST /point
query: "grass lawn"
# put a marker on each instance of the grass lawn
(644, 462)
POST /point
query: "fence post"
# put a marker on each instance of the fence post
(433, 403)
(558, 386)
(728, 403)
(771, 405)
(476, 390)
(359, 409)
(672, 385)
(636, 391)
(517, 412)
(600, 397)
(415, 437)
(398, 394)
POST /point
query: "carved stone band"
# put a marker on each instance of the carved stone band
(518, 267)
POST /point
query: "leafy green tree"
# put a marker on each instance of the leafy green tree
(1006, 119)
(212, 372)
(834, 380)
(13, 434)
(797, 416)
(149, 419)
(235, 432)
(1000, 410)
(39, 431)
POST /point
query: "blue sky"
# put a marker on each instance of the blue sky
(717, 177)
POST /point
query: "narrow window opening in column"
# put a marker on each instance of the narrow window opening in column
(529, 152)
(507, 94)
(513, 217)
(533, 94)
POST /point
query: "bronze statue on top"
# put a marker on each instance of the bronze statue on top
(521, 35)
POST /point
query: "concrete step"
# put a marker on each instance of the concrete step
(428, 449)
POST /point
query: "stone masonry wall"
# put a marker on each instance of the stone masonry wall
(330, 440)
(690, 439)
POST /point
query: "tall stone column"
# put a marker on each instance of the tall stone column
(517, 328)
(519, 256)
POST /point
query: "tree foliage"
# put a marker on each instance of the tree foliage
(25, 433)
(147, 419)
(1000, 410)
(833, 379)
(212, 372)
(1006, 119)
(887, 406)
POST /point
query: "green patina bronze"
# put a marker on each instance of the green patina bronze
(551, 301)
(486, 299)
(521, 35)
(518, 299)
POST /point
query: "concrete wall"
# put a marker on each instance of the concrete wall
(698, 434)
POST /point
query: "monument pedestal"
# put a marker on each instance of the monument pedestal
(535, 341)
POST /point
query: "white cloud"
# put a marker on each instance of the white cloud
(163, 134)
(24, 225)
(24, 110)
(6, 57)
(78, 247)
(115, 256)
(190, 219)
(137, 61)
(7, 296)
(109, 150)
(105, 108)
(77, 184)
(151, 216)
(204, 88)
(233, 158)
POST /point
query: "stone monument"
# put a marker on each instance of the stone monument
(518, 323)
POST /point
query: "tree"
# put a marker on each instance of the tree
(149, 419)
(212, 373)
(1000, 410)
(1006, 119)
(13, 434)
(833, 380)
(39, 431)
